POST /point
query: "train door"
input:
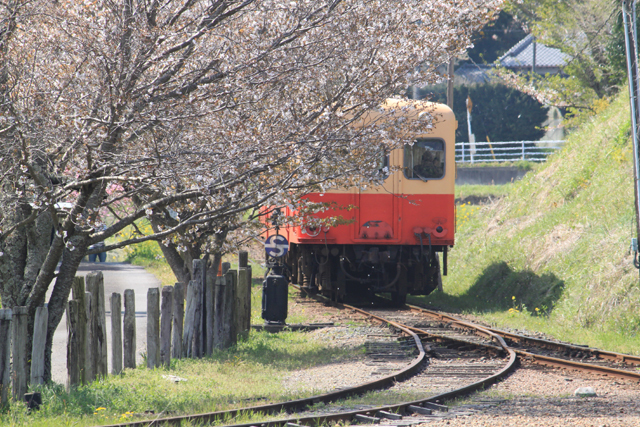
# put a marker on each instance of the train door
(423, 180)
(377, 213)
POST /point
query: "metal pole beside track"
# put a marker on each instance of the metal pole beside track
(631, 44)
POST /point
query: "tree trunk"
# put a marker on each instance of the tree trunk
(179, 266)
(58, 301)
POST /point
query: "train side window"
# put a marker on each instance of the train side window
(424, 159)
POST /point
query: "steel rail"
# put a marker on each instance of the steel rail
(299, 404)
(402, 407)
(341, 394)
(547, 360)
(539, 342)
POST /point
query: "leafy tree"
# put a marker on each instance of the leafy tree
(499, 112)
(588, 31)
(496, 38)
(193, 112)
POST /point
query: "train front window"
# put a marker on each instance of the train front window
(424, 159)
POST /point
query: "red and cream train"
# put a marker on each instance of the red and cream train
(397, 231)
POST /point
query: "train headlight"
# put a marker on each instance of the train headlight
(311, 231)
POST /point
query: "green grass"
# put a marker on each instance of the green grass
(552, 254)
(245, 375)
(520, 164)
(257, 269)
(495, 191)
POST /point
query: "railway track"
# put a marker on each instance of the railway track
(462, 358)
(482, 368)
(552, 353)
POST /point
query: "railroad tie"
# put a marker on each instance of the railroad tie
(419, 410)
(388, 415)
(366, 419)
(435, 406)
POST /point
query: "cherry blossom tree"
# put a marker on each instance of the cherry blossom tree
(191, 113)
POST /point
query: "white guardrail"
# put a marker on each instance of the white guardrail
(508, 151)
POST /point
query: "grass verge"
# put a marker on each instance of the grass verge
(552, 253)
(249, 373)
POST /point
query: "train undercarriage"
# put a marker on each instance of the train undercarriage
(360, 271)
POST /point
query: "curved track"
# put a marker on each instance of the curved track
(472, 379)
(551, 353)
(443, 335)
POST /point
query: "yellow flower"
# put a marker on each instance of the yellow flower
(101, 409)
(513, 297)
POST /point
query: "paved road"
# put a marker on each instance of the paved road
(117, 278)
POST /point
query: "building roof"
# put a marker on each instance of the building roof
(521, 55)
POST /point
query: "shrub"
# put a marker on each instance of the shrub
(149, 250)
(499, 112)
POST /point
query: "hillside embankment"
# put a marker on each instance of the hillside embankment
(489, 175)
(553, 253)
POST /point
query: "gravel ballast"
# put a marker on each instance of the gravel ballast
(535, 396)
(531, 396)
(350, 373)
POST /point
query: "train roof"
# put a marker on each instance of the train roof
(409, 110)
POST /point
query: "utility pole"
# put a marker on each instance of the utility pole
(472, 137)
(631, 44)
(533, 65)
(450, 83)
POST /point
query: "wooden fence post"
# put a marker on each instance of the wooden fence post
(89, 371)
(129, 343)
(73, 360)
(218, 323)
(225, 309)
(5, 354)
(243, 259)
(178, 320)
(39, 340)
(243, 303)
(165, 325)
(20, 336)
(232, 293)
(116, 333)
(223, 288)
(95, 285)
(210, 316)
(250, 280)
(200, 277)
(153, 324)
(225, 267)
(244, 296)
(78, 292)
(192, 317)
